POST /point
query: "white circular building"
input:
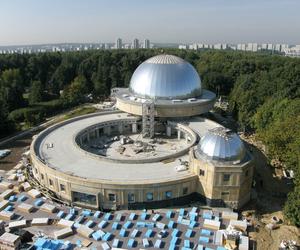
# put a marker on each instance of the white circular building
(155, 150)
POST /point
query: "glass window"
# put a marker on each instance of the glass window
(201, 172)
(130, 197)
(112, 197)
(50, 182)
(226, 177)
(42, 176)
(62, 187)
(168, 194)
(149, 196)
(185, 190)
(84, 198)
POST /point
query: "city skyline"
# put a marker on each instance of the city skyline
(91, 21)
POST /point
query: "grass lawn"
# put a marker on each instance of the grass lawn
(79, 111)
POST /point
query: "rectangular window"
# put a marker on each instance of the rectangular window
(185, 190)
(201, 172)
(42, 176)
(50, 182)
(168, 194)
(149, 196)
(62, 187)
(224, 193)
(112, 197)
(131, 197)
(226, 177)
(84, 198)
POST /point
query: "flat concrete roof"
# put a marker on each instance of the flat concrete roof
(8, 237)
(66, 157)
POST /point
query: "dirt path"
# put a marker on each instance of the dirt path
(17, 147)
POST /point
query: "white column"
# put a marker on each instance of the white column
(107, 130)
(121, 128)
(169, 131)
(178, 134)
(134, 128)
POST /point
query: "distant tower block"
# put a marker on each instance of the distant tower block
(148, 111)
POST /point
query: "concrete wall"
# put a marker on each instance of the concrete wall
(235, 192)
(209, 184)
(94, 131)
(184, 110)
(102, 190)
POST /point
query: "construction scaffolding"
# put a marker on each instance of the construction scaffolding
(148, 110)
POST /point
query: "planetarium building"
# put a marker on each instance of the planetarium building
(154, 149)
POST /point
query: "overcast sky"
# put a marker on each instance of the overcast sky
(174, 21)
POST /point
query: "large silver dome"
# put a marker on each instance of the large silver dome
(222, 144)
(165, 77)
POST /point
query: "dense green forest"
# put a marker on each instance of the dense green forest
(263, 92)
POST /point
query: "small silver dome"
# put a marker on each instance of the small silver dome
(222, 144)
(165, 77)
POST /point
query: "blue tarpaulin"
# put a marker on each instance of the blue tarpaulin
(102, 224)
(132, 216)
(131, 243)
(38, 202)
(123, 232)
(206, 232)
(128, 224)
(23, 198)
(204, 239)
(144, 216)
(108, 216)
(60, 214)
(115, 226)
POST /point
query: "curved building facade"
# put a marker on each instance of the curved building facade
(105, 160)
(171, 84)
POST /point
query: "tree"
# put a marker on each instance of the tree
(12, 88)
(101, 79)
(5, 124)
(292, 207)
(283, 141)
(74, 93)
(36, 92)
(62, 76)
(115, 77)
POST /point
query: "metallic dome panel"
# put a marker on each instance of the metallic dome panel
(165, 77)
(222, 144)
(165, 59)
